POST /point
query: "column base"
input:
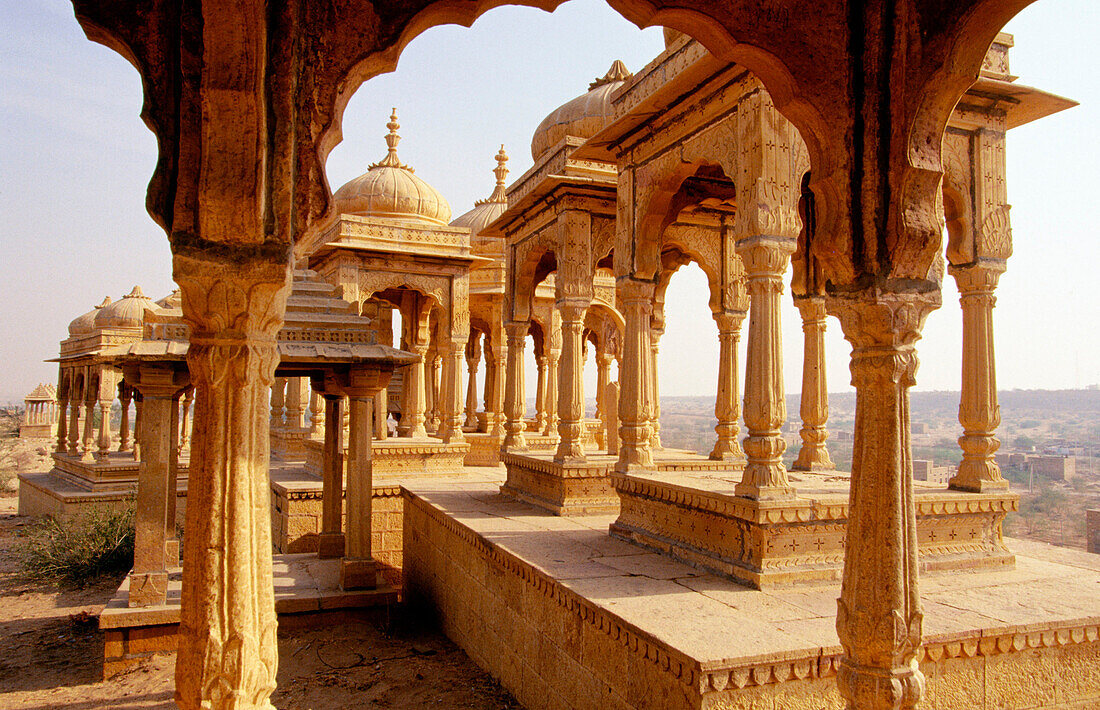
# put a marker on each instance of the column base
(148, 589)
(979, 486)
(358, 573)
(754, 492)
(330, 545)
(813, 466)
(171, 553)
(732, 457)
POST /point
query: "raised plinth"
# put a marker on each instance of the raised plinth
(74, 485)
(399, 456)
(561, 488)
(485, 448)
(694, 517)
(564, 616)
(289, 442)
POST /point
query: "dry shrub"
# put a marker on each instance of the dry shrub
(79, 549)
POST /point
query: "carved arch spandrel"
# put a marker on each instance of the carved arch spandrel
(523, 267)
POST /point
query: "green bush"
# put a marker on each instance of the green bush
(78, 549)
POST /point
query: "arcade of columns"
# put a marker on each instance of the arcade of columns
(869, 88)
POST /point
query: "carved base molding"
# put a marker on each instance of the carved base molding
(289, 443)
(56, 494)
(767, 544)
(561, 488)
(118, 472)
(399, 456)
(37, 431)
(485, 448)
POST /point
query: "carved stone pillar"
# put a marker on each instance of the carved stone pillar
(331, 542)
(603, 379)
(380, 414)
(358, 570)
(171, 539)
(137, 426)
(316, 413)
(655, 421)
(436, 403)
(636, 298)
(571, 383)
(879, 613)
(727, 405)
(553, 379)
(450, 394)
(87, 444)
(541, 414)
(814, 407)
(125, 394)
(765, 476)
(62, 420)
(514, 408)
(979, 410)
(611, 417)
(487, 395)
(74, 422)
(412, 413)
(160, 387)
(473, 360)
(278, 400)
(495, 417)
(106, 399)
(185, 419)
(295, 407)
(228, 650)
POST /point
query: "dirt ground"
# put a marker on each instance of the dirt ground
(51, 652)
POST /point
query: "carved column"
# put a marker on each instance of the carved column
(295, 409)
(125, 394)
(160, 387)
(495, 417)
(765, 476)
(814, 407)
(450, 393)
(137, 426)
(62, 406)
(316, 413)
(879, 613)
(514, 409)
(473, 360)
(636, 298)
(553, 366)
(330, 544)
(603, 379)
(611, 417)
(185, 419)
(436, 402)
(655, 421)
(75, 402)
(278, 399)
(412, 413)
(106, 399)
(727, 406)
(91, 390)
(541, 414)
(488, 395)
(380, 414)
(171, 539)
(227, 636)
(571, 383)
(979, 410)
(358, 569)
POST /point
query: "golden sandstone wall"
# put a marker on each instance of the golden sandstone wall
(552, 648)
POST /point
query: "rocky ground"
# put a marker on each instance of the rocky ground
(51, 650)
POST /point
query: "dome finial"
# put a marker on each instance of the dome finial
(617, 72)
(501, 171)
(392, 139)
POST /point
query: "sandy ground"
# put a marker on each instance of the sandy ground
(51, 656)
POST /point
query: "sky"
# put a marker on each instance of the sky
(75, 160)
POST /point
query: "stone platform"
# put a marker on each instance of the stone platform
(485, 448)
(566, 616)
(585, 488)
(74, 485)
(290, 442)
(305, 586)
(693, 516)
(399, 456)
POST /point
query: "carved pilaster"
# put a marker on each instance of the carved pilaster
(655, 413)
(62, 407)
(765, 476)
(228, 649)
(450, 406)
(278, 400)
(473, 360)
(636, 299)
(514, 409)
(185, 419)
(106, 398)
(412, 414)
(553, 365)
(727, 405)
(879, 613)
(295, 406)
(496, 417)
(74, 423)
(541, 414)
(91, 390)
(603, 379)
(979, 410)
(571, 383)
(814, 407)
(316, 414)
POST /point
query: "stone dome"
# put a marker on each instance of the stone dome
(486, 211)
(86, 323)
(129, 312)
(582, 117)
(390, 189)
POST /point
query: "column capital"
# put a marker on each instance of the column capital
(979, 278)
(876, 319)
(764, 255)
(630, 289)
(812, 309)
(157, 380)
(729, 322)
(516, 331)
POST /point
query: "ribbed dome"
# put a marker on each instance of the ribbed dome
(486, 211)
(86, 323)
(126, 313)
(390, 189)
(582, 117)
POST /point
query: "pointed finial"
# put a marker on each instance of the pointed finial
(392, 139)
(106, 302)
(136, 293)
(617, 72)
(501, 171)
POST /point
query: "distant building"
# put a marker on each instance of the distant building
(921, 428)
(1056, 468)
(924, 470)
(844, 436)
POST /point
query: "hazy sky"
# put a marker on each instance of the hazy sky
(75, 159)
